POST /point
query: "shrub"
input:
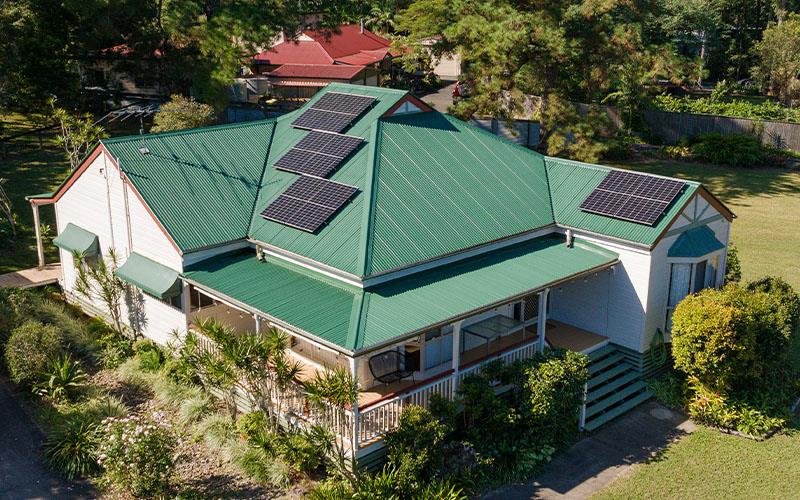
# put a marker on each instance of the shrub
(415, 447)
(138, 454)
(767, 110)
(149, 354)
(253, 426)
(733, 268)
(743, 150)
(71, 448)
(669, 390)
(263, 468)
(787, 300)
(181, 113)
(712, 407)
(63, 379)
(74, 330)
(713, 339)
(195, 408)
(554, 393)
(29, 348)
(304, 450)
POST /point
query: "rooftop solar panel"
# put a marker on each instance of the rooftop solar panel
(308, 203)
(633, 197)
(318, 153)
(333, 112)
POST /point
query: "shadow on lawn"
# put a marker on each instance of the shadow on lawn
(730, 184)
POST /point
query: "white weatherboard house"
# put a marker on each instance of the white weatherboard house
(395, 241)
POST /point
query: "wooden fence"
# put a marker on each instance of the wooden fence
(672, 127)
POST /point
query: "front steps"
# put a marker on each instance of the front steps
(614, 387)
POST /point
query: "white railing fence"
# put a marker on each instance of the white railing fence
(382, 417)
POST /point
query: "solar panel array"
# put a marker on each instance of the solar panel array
(308, 203)
(333, 112)
(318, 153)
(633, 197)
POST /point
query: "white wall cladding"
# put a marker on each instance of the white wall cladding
(582, 302)
(96, 202)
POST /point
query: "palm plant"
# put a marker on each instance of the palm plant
(64, 378)
(331, 392)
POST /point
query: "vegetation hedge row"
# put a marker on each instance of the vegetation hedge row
(767, 110)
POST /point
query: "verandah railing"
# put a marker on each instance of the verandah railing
(382, 417)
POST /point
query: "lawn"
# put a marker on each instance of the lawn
(767, 205)
(29, 169)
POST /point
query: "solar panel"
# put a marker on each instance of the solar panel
(308, 203)
(633, 197)
(333, 112)
(318, 153)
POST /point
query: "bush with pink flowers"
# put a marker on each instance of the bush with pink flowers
(138, 454)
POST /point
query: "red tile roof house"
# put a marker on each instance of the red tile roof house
(396, 242)
(298, 68)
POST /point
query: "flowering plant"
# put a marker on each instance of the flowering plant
(138, 453)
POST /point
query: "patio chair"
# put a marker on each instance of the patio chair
(387, 367)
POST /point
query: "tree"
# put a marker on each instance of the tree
(779, 59)
(330, 393)
(97, 280)
(78, 133)
(182, 113)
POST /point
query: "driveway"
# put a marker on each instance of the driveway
(22, 473)
(597, 460)
(440, 99)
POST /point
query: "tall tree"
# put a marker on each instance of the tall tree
(779, 59)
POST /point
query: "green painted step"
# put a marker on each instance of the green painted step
(603, 351)
(614, 398)
(608, 375)
(611, 386)
(605, 363)
(617, 411)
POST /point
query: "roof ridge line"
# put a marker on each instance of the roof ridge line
(365, 246)
(597, 166)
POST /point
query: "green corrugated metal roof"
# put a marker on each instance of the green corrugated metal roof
(150, 276)
(442, 185)
(77, 239)
(358, 319)
(339, 243)
(201, 184)
(570, 184)
(695, 242)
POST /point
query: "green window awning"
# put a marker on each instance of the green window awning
(695, 243)
(76, 239)
(150, 276)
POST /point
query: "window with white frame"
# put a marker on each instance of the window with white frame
(689, 277)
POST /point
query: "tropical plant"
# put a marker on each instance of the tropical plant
(79, 133)
(330, 392)
(97, 280)
(149, 354)
(416, 447)
(182, 113)
(63, 379)
(71, 448)
(29, 349)
(138, 454)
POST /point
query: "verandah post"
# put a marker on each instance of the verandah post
(38, 229)
(456, 363)
(541, 322)
(355, 427)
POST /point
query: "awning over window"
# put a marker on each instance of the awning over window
(695, 243)
(76, 239)
(150, 276)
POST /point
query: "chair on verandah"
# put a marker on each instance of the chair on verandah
(388, 367)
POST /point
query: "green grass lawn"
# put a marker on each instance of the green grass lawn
(767, 205)
(29, 169)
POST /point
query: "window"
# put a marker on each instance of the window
(686, 278)
(438, 347)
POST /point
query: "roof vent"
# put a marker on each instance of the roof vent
(143, 150)
(570, 238)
